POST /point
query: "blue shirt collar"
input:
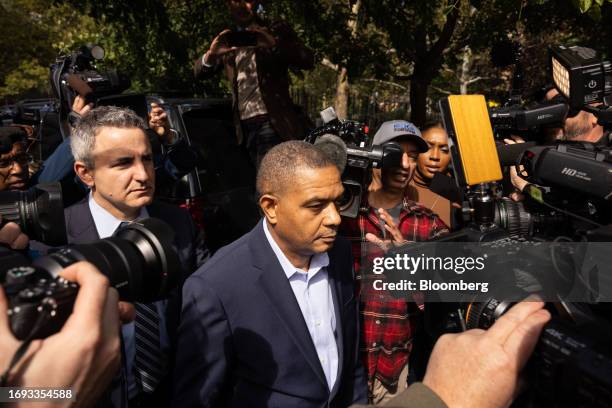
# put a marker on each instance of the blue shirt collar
(105, 222)
(317, 261)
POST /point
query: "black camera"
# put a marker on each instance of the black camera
(39, 212)
(76, 74)
(139, 261)
(347, 143)
(572, 362)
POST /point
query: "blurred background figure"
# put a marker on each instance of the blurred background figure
(435, 160)
(14, 160)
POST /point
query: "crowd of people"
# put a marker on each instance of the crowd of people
(276, 318)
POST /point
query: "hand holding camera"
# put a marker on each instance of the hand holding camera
(84, 355)
(491, 359)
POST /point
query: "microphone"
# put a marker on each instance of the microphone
(335, 148)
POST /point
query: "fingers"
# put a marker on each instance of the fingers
(511, 320)
(91, 299)
(80, 106)
(11, 235)
(390, 226)
(127, 312)
(110, 316)
(377, 241)
(524, 338)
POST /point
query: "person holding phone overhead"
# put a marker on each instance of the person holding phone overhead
(257, 56)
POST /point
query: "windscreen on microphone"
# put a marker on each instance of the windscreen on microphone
(509, 154)
(335, 148)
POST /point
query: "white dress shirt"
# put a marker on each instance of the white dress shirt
(314, 296)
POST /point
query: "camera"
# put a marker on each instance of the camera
(75, 74)
(348, 144)
(139, 261)
(39, 212)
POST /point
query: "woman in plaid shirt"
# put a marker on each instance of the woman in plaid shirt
(389, 218)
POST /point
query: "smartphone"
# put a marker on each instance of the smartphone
(241, 39)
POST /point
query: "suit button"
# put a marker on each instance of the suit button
(374, 344)
(377, 322)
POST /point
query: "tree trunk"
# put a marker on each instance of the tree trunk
(464, 75)
(342, 82)
(418, 100)
(342, 94)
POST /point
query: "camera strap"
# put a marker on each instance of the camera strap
(21, 350)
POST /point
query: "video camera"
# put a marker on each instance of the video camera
(348, 144)
(76, 74)
(138, 260)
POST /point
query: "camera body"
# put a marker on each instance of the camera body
(39, 304)
(348, 144)
(76, 74)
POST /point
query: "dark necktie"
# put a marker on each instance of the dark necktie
(149, 363)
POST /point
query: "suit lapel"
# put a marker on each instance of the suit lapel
(336, 286)
(80, 226)
(277, 289)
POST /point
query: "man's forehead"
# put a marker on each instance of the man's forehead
(315, 182)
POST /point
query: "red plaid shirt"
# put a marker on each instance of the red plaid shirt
(387, 324)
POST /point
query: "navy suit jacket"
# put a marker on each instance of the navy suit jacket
(243, 341)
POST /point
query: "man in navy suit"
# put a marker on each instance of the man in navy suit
(114, 158)
(271, 320)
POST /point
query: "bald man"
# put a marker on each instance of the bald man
(271, 319)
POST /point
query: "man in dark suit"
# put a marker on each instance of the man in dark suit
(264, 113)
(271, 320)
(113, 157)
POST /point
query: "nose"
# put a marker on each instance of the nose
(406, 162)
(16, 167)
(332, 216)
(140, 172)
(434, 154)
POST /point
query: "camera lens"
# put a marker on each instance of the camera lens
(39, 212)
(138, 260)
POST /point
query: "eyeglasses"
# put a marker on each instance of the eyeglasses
(23, 159)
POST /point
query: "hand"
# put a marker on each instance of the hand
(264, 38)
(218, 48)
(80, 105)
(158, 121)
(88, 343)
(11, 235)
(517, 181)
(480, 368)
(396, 236)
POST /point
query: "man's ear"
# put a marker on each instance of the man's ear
(84, 173)
(268, 204)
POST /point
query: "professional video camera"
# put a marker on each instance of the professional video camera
(39, 212)
(514, 118)
(138, 260)
(76, 74)
(348, 144)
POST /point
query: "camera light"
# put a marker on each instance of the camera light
(580, 75)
